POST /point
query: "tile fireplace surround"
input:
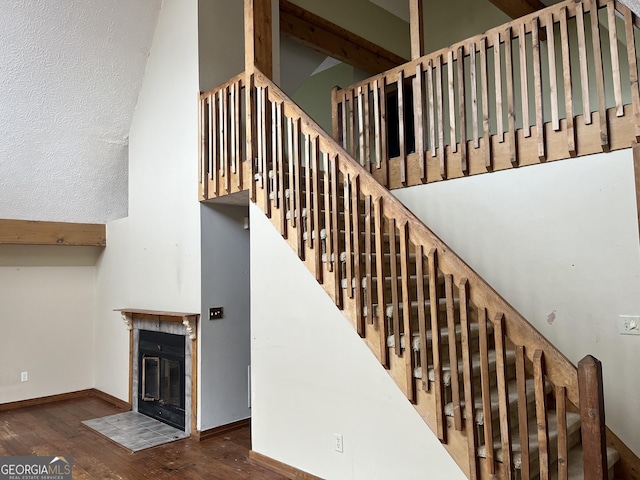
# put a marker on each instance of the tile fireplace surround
(177, 323)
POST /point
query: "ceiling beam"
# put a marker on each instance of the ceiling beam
(329, 39)
(26, 232)
(518, 8)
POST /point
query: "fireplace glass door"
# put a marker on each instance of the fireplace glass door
(161, 378)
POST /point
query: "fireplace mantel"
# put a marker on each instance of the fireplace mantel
(135, 318)
(189, 320)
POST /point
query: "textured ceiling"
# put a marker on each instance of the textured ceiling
(70, 71)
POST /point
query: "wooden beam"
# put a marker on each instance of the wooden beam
(25, 232)
(258, 50)
(518, 8)
(417, 28)
(329, 39)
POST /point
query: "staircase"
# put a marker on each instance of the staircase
(504, 401)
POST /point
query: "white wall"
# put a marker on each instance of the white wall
(224, 344)
(557, 240)
(153, 256)
(312, 377)
(46, 320)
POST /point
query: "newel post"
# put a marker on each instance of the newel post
(592, 416)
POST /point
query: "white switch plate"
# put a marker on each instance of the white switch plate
(24, 377)
(629, 324)
(338, 443)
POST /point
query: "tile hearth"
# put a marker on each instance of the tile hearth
(135, 431)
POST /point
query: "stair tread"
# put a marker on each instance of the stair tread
(414, 305)
(475, 359)
(573, 425)
(576, 462)
(512, 389)
(474, 331)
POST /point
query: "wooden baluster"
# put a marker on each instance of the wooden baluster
(485, 380)
(474, 95)
(503, 393)
(418, 109)
(566, 72)
(633, 65)
(383, 327)
(592, 417)
(523, 415)
(232, 129)
(347, 234)
(251, 136)
(328, 226)
(383, 130)
(395, 316)
(266, 158)
(462, 113)
(297, 188)
(291, 162)
(441, 145)
(213, 148)
(511, 109)
(335, 227)
(401, 129)
(422, 317)
(537, 81)
(275, 169)
(224, 137)
(553, 77)
(453, 353)
(453, 140)
(584, 66)
(406, 313)
(361, 129)
(377, 120)
(432, 121)
(615, 59)
(486, 125)
(315, 170)
(352, 123)
(306, 161)
(434, 301)
(345, 123)
(597, 57)
(367, 131)
(202, 146)
(524, 80)
(497, 64)
(238, 166)
(469, 402)
(368, 257)
(541, 414)
(357, 253)
(561, 414)
(280, 159)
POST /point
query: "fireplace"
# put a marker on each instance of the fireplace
(161, 385)
(163, 352)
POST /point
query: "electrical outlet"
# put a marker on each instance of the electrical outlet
(338, 442)
(629, 324)
(216, 313)
(24, 377)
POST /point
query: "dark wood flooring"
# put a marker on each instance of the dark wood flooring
(55, 429)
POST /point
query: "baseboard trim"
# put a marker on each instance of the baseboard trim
(115, 401)
(282, 468)
(214, 432)
(90, 392)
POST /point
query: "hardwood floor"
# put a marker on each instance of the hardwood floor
(55, 429)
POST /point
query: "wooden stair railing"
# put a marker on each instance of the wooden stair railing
(477, 107)
(500, 397)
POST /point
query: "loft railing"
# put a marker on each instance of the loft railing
(491, 387)
(558, 83)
